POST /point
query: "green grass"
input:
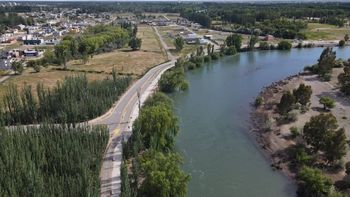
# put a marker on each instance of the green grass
(317, 31)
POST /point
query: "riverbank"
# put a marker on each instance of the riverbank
(276, 138)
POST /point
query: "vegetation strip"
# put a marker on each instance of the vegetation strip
(60, 160)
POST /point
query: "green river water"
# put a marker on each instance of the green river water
(220, 155)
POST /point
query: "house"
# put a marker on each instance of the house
(269, 37)
(5, 64)
(191, 38)
(31, 53)
(5, 61)
(209, 37)
(31, 40)
(52, 41)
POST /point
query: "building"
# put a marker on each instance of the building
(191, 38)
(5, 61)
(31, 53)
(5, 64)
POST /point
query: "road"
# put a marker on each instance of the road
(119, 120)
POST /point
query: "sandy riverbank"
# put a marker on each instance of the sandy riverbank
(276, 138)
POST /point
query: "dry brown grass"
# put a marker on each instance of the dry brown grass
(127, 61)
(48, 77)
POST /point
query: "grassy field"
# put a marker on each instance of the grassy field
(317, 31)
(126, 61)
(47, 76)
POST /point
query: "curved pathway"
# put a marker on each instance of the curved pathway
(119, 120)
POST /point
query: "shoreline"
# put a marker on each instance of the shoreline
(262, 138)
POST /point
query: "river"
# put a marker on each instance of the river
(222, 159)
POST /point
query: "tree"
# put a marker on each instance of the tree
(17, 66)
(179, 43)
(303, 94)
(173, 80)
(284, 45)
(336, 146)
(346, 37)
(252, 41)
(286, 103)
(312, 183)
(234, 40)
(125, 182)
(326, 61)
(163, 176)
(327, 102)
(209, 49)
(342, 43)
(344, 80)
(158, 126)
(135, 43)
(63, 53)
(319, 130)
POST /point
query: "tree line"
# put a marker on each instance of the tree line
(55, 160)
(10, 20)
(151, 167)
(72, 100)
(96, 39)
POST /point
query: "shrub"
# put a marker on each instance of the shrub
(215, 56)
(294, 132)
(288, 118)
(284, 45)
(207, 58)
(327, 102)
(231, 50)
(264, 46)
(342, 43)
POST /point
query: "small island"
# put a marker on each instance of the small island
(302, 123)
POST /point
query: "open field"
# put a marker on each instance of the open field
(317, 31)
(47, 76)
(126, 61)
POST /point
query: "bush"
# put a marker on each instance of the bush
(288, 118)
(231, 50)
(327, 102)
(207, 58)
(294, 132)
(264, 46)
(190, 65)
(215, 56)
(284, 45)
(342, 43)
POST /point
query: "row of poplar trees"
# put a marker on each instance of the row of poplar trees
(51, 160)
(72, 100)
